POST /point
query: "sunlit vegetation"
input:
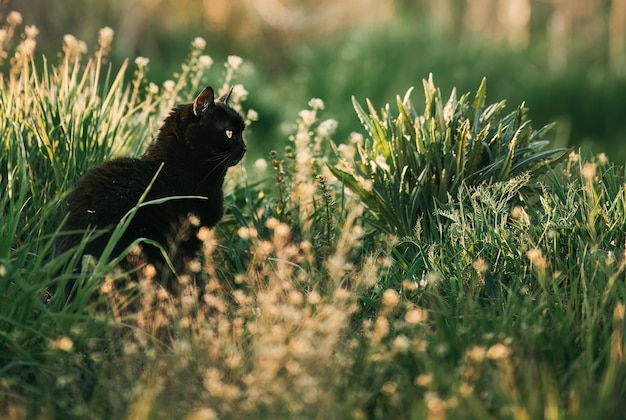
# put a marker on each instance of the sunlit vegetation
(445, 261)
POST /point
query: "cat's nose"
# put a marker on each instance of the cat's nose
(241, 149)
(237, 155)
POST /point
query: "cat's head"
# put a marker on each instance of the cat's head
(215, 132)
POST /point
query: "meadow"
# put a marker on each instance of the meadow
(445, 261)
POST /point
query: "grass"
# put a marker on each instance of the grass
(585, 99)
(504, 300)
(415, 161)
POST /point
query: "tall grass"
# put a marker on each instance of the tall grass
(510, 305)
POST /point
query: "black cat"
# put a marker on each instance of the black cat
(196, 145)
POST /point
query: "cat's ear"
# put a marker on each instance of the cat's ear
(225, 97)
(204, 101)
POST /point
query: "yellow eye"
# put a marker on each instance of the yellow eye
(229, 134)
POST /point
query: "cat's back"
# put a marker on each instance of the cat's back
(108, 191)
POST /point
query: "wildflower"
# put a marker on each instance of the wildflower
(153, 89)
(498, 352)
(602, 159)
(518, 213)
(589, 171)
(14, 18)
(337, 265)
(537, 259)
(415, 316)
(573, 157)
(480, 266)
(347, 151)
(105, 38)
(327, 127)
(282, 233)
(205, 61)
(135, 250)
(142, 62)
(204, 234)
(316, 103)
(465, 390)
(313, 298)
(31, 32)
(198, 43)
(64, 344)
(356, 138)
(390, 299)
(169, 85)
(263, 250)
(27, 47)
(244, 233)
(422, 380)
(302, 140)
(401, 343)
(260, 164)
(477, 354)
(234, 61)
(341, 295)
(435, 405)
(239, 93)
(240, 297)
(308, 117)
(295, 298)
(389, 388)
(252, 115)
(3, 270)
(73, 47)
(381, 329)
(233, 361)
(194, 266)
(271, 223)
(107, 287)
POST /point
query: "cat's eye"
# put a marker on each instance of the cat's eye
(229, 134)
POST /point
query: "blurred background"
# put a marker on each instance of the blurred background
(565, 58)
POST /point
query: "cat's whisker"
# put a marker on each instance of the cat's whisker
(223, 165)
(219, 159)
(218, 155)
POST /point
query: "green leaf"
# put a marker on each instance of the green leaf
(481, 96)
(363, 117)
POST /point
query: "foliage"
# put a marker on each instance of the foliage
(58, 120)
(585, 95)
(514, 310)
(585, 99)
(414, 162)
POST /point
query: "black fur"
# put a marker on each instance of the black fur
(195, 151)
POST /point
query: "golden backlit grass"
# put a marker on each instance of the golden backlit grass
(511, 305)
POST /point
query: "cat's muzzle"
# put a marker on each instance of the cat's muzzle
(236, 157)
